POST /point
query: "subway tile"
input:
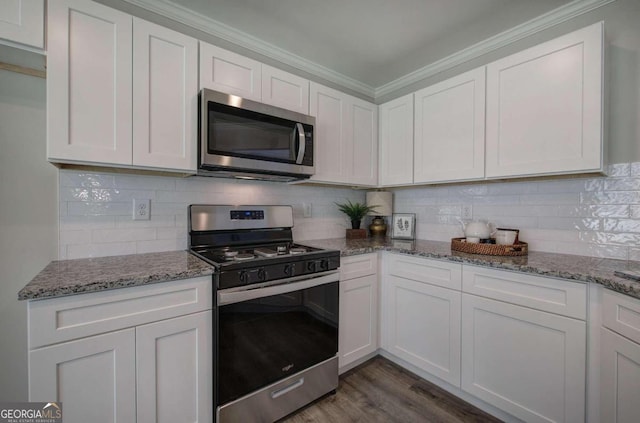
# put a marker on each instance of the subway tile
(496, 199)
(618, 169)
(102, 194)
(568, 223)
(622, 225)
(100, 250)
(634, 212)
(570, 185)
(551, 199)
(123, 235)
(75, 236)
(593, 250)
(512, 188)
(614, 210)
(86, 222)
(634, 254)
(156, 221)
(160, 245)
(515, 222)
(622, 184)
(99, 209)
(86, 180)
(610, 197)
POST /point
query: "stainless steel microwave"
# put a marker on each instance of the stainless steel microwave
(246, 139)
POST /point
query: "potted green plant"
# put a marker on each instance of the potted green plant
(355, 211)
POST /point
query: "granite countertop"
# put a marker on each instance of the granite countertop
(579, 268)
(68, 277)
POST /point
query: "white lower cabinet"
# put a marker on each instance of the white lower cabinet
(421, 321)
(619, 378)
(358, 329)
(174, 368)
(94, 377)
(142, 354)
(620, 359)
(526, 362)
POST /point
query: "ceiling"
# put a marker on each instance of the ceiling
(370, 41)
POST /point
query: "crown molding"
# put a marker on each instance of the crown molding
(542, 22)
(220, 30)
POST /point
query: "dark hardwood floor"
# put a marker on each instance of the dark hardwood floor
(381, 391)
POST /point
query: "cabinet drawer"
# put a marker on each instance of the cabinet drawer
(547, 294)
(61, 319)
(434, 272)
(358, 266)
(621, 314)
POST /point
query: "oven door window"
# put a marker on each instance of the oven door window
(264, 340)
(247, 134)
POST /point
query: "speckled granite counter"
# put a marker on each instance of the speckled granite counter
(580, 268)
(67, 277)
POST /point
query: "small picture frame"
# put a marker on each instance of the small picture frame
(403, 226)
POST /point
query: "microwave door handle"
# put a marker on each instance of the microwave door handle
(302, 144)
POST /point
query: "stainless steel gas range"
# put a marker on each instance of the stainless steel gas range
(276, 311)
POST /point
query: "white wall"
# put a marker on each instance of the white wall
(96, 210)
(28, 218)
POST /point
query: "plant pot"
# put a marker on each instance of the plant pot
(355, 224)
(356, 233)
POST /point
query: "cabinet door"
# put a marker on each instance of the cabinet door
(422, 326)
(88, 83)
(230, 73)
(174, 370)
(358, 318)
(619, 378)
(22, 21)
(94, 377)
(544, 108)
(282, 89)
(396, 142)
(329, 107)
(528, 363)
(362, 142)
(165, 94)
(449, 129)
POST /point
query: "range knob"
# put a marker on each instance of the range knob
(289, 269)
(324, 264)
(311, 266)
(243, 276)
(262, 274)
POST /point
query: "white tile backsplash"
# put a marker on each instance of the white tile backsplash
(96, 210)
(595, 216)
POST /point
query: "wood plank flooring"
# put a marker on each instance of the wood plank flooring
(381, 391)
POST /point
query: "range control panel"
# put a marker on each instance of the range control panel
(247, 214)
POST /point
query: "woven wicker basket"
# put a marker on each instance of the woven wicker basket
(517, 249)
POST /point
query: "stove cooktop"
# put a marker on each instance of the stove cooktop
(227, 256)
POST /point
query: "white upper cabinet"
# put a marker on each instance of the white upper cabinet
(362, 132)
(165, 97)
(449, 129)
(22, 22)
(89, 102)
(228, 72)
(544, 108)
(396, 142)
(346, 137)
(282, 89)
(231, 73)
(96, 113)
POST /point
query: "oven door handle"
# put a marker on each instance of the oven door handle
(225, 298)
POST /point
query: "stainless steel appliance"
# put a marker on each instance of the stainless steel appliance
(276, 311)
(246, 139)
